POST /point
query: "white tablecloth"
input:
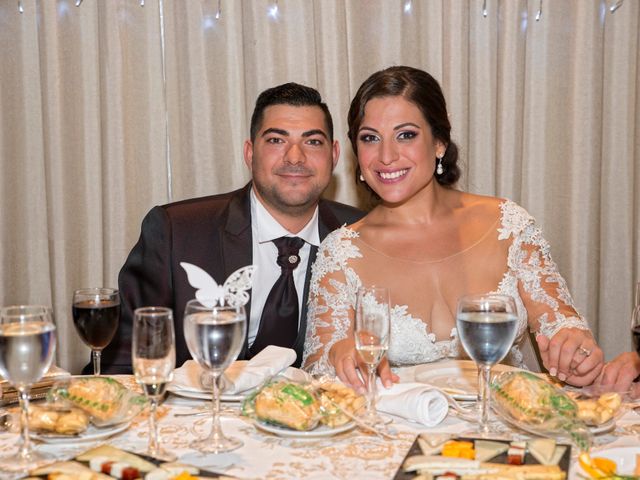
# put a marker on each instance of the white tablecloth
(344, 456)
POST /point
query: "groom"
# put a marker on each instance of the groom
(291, 154)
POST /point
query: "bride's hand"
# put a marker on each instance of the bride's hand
(572, 355)
(351, 370)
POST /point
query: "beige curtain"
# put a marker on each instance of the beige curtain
(99, 122)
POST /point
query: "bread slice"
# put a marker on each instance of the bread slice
(64, 470)
(116, 455)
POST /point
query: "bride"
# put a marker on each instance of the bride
(430, 244)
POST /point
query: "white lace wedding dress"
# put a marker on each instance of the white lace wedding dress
(425, 293)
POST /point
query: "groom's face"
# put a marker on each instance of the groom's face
(291, 158)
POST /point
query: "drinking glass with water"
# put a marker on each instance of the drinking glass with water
(487, 326)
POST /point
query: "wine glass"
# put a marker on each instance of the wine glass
(27, 346)
(215, 336)
(153, 353)
(96, 312)
(635, 328)
(487, 326)
(637, 304)
(372, 325)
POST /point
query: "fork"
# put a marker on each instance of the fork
(360, 423)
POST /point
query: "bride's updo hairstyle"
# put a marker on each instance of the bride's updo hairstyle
(419, 88)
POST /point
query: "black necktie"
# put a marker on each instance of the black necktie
(279, 320)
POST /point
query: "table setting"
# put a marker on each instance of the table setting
(215, 416)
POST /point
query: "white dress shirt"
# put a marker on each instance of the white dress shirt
(265, 229)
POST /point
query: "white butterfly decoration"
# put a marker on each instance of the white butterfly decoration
(233, 292)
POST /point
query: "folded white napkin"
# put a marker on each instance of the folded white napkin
(413, 401)
(242, 375)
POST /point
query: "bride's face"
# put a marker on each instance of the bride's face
(396, 150)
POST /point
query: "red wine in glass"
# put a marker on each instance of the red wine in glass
(96, 313)
(635, 328)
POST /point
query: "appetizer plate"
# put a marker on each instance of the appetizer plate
(202, 395)
(625, 458)
(318, 432)
(90, 434)
(459, 378)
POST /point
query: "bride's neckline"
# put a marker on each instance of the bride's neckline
(491, 229)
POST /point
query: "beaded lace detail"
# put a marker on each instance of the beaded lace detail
(531, 277)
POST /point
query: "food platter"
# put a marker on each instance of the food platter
(90, 434)
(625, 458)
(459, 378)
(318, 432)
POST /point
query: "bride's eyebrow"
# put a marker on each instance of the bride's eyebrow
(407, 124)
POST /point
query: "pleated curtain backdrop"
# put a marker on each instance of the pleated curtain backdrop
(111, 107)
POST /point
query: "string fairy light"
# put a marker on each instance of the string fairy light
(407, 7)
(20, 6)
(219, 10)
(484, 9)
(539, 12)
(273, 11)
(616, 6)
(78, 3)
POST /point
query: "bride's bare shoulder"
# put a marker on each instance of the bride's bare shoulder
(481, 207)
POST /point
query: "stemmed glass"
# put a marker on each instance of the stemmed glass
(27, 346)
(372, 340)
(215, 336)
(487, 326)
(153, 354)
(96, 312)
(637, 304)
(635, 328)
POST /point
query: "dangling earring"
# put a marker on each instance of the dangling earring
(439, 168)
(361, 178)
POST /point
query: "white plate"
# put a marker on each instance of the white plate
(318, 432)
(625, 458)
(90, 434)
(202, 395)
(459, 378)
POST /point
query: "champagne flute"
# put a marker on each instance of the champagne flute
(27, 346)
(96, 312)
(637, 304)
(154, 357)
(215, 336)
(372, 325)
(635, 328)
(487, 326)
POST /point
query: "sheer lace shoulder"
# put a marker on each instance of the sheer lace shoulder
(330, 298)
(543, 290)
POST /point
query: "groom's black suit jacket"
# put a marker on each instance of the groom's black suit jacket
(213, 233)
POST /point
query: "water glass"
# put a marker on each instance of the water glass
(96, 313)
(27, 347)
(153, 354)
(215, 336)
(487, 326)
(372, 324)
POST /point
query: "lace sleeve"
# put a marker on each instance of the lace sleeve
(332, 298)
(543, 290)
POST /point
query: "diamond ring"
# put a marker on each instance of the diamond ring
(584, 351)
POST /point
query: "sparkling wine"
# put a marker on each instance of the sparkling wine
(215, 340)
(26, 351)
(371, 354)
(635, 335)
(153, 386)
(96, 323)
(487, 337)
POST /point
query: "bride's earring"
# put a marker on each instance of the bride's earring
(439, 168)
(361, 178)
